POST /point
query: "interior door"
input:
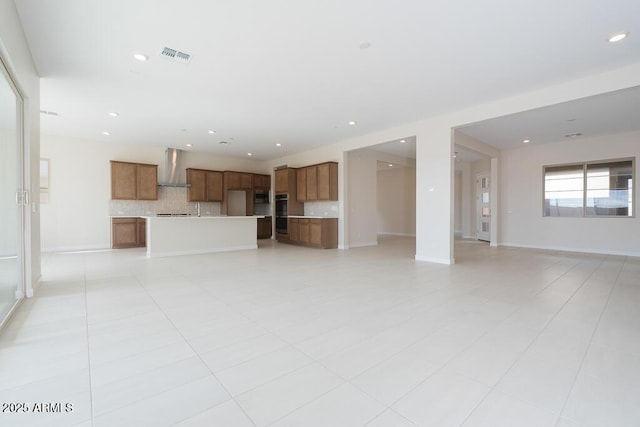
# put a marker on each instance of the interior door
(483, 221)
(12, 198)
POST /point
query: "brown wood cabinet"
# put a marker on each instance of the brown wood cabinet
(262, 182)
(312, 182)
(215, 191)
(205, 185)
(313, 232)
(197, 180)
(301, 184)
(264, 227)
(133, 181)
(294, 230)
(286, 181)
(317, 182)
(128, 233)
(238, 180)
(328, 181)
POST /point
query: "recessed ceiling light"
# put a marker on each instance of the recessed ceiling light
(352, 123)
(455, 154)
(211, 132)
(223, 142)
(617, 37)
(526, 141)
(114, 114)
(249, 154)
(390, 164)
(106, 133)
(189, 145)
(278, 145)
(402, 141)
(140, 57)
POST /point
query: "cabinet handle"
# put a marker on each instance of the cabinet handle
(26, 197)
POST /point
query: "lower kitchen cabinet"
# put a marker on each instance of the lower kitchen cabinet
(264, 228)
(128, 233)
(314, 232)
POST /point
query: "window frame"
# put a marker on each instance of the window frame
(585, 165)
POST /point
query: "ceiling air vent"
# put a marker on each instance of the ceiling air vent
(175, 55)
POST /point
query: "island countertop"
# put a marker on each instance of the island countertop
(187, 235)
(312, 216)
(200, 217)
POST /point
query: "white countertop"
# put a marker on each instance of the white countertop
(312, 217)
(203, 217)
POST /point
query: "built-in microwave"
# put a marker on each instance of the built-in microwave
(260, 197)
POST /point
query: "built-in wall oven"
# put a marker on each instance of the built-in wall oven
(281, 214)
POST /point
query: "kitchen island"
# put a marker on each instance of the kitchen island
(187, 235)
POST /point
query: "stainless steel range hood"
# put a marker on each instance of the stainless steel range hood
(174, 171)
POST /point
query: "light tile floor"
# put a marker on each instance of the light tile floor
(289, 336)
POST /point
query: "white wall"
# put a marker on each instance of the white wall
(396, 195)
(362, 198)
(522, 220)
(76, 216)
(16, 55)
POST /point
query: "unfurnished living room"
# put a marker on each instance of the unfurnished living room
(279, 213)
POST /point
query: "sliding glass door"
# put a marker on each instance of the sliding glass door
(11, 197)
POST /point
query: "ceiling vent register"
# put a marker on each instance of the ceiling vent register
(175, 55)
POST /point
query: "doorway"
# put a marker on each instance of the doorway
(12, 197)
(483, 207)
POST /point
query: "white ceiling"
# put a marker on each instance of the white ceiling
(295, 72)
(605, 114)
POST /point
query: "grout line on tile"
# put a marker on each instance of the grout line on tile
(595, 329)
(492, 388)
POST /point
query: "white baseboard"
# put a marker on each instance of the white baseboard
(75, 248)
(571, 249)
(363, 244)
(387, 233)
(34, 287)
(436, 260)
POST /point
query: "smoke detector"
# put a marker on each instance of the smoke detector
(175, 55)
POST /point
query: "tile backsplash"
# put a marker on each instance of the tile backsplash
(171, 200)
(323, 209)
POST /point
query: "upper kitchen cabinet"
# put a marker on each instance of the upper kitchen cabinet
(205, 185)
(262, 182)
(147, 182)
(133, 181)
(214, 186)
(328, 181)
(286, 181)
(317, 182)
(312, 182)
(238, 180)
(301, 184)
